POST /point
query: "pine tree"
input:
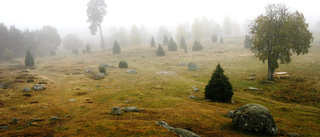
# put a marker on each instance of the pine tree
(197, 46)
(160, 51)
(29, 61)
(219, 88)
(116, 48)
(183, 43)
(221, 39)
(214, 38)
(165, 40)
(185, 49)
(247, 42)
(88, 48)
(172, 45)
(153, 43)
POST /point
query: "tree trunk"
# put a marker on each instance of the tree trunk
(102, 43)
(270, 70)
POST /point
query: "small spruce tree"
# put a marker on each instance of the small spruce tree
(102, 69)
(172, 45)
(160, 51)
(165, 39)
(153, 43)
(221, 39)
(116, 48)
(247, 42)
(197, 46)
(214, 38)
(75, 51)
(219, 88)
(29, 61)
(123, 64)
(183, 43)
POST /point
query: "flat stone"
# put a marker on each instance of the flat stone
(193, 97)
(195, 89)
(293, 134)
(4, 127)
(55, 118)
(131, 109)
(131, 71)
(182, 64)
(99, 75)
(72, 100)
(38, 87)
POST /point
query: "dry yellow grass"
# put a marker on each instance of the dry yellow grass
(164, 96)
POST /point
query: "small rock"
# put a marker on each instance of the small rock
(97, 85)
(233, 102)
(182, 64)
(141, 109)
(55, 118)
(127, 101)
(230, 114)
(4, 127)
(38, 87)
(131, 71)
(131, 109)
(3, 85)
(33, 123)
(195, 89)
(26, 89)
(88, 70)
(108, 87)
(104, 65)
(116, 111)
(72, 100)
(193, 97)
(99, 75)
(292, 134)
(47, 107)
(37, 120)
(14, 121)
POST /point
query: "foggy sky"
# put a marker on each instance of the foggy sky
(69, 16)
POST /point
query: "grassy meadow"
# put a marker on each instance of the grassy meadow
(161, 87)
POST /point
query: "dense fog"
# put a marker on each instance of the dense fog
(126, 21)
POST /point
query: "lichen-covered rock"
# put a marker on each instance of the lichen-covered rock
(116, 111)
(193, 67)
(230, 114)
(255, 118)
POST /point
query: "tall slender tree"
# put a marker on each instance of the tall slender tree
(278, 34)
(95, 12)
(153, 43)
(183, 43)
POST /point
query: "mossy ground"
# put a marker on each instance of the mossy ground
(293, 101)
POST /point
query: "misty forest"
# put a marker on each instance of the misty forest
(208, 78)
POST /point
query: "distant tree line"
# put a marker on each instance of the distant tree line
(18, 41)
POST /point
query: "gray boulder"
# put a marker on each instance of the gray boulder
(193, 67)
(131, 109)
(99, 75)
(255, 118)
(195, 89)
(38, 87)
(131, 71)
(116, 111)
(26, 89)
